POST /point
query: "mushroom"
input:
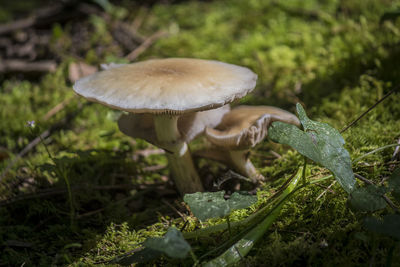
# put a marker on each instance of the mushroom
(240, 129)
(167, 89)
(190, 125)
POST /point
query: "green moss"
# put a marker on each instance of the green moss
(333, 56)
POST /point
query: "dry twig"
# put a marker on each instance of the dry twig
(60, 106)
(146, 44)
(326, 190)
(16, 65)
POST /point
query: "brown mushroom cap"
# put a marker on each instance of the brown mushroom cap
(245, 126)
(167, 86)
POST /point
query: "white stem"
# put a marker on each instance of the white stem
(240, 161)
(182, 168)
(237, 160)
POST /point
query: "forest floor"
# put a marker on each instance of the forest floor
(335, 57)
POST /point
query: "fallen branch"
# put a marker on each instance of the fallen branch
(326, 190)
(16, 65)
(60, 106)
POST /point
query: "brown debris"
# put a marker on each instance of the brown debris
(17, 65)
(77, 70)
(146, 44)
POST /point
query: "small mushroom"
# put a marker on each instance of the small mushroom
(190, 125)
(241, 129)
(167, 89)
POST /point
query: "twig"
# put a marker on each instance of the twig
(57, 108)
(396, 153)
(365, 180)
(391, 204)
(137, 22)
(388, 201)
(146, 44)
(173, 208)
(90, 213)
(371, 108)
(16, 65)
(147, 152)
(326, 190)
(17, 25)
(154, 168)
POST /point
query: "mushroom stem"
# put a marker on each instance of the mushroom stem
(180, 160)
(238, 160)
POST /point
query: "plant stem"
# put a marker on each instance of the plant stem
(303, 175)
(180, 160)
(229, 225)
(371, 108)
(62, 173)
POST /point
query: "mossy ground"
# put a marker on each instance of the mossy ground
(335, 57)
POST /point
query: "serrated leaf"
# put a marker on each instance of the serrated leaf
(172, 243)
(319, 142)
(368, 198)
(205, 205)
(390, 225)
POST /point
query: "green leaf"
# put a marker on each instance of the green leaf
(205, 205)
(241, 200)
(390, 225)
(368, 198)
(319, 142)
(172, 243)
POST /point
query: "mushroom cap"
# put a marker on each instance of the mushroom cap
(245, 126)
(189, 125)
(167, 86)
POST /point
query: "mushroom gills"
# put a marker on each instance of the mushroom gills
(241, 129)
